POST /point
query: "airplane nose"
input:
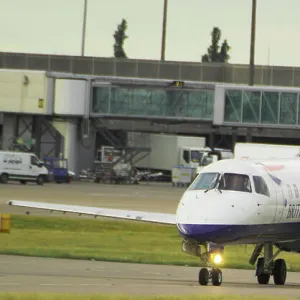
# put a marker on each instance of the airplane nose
(204, 233)
(212, 216)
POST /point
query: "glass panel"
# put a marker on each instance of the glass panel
(200, 104)
(235, 182)
(269, 107)
(176, 103)
(251, 105)
(100, 101)
(153, 102)
(156, 103)
(205, 181)
(288, 108)
(233, 104)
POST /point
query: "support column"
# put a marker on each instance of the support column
(71, 146)
(37, 134)
(212, 140)
(249, 135)
(8, 130)
(234, 137)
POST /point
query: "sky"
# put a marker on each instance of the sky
(55, 27)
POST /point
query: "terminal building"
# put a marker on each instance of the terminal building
(69, 106)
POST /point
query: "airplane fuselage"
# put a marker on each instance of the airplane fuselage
(230, 216)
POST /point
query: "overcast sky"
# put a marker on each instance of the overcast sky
(55, 27)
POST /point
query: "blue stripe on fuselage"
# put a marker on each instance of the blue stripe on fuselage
(240, 234)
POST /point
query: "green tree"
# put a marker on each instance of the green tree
(214, 52)
(120, 36)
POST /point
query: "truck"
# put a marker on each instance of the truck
(169, 151)
(260, 151)
(22, 167)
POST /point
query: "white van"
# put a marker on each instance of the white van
(23, 167)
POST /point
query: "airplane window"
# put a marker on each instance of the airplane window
(296, 191)
(205, 181)
(261, 186)
(235, 182)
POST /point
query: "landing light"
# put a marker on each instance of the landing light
(217, 258)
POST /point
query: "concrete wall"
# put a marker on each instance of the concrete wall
(23, 91)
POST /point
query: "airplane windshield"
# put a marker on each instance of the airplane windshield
(235, 182)
(205, 181)
(226, 181)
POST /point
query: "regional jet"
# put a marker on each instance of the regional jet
(230, 202)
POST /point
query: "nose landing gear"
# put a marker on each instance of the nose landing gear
(215, 275)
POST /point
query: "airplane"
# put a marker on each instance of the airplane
(230, 202)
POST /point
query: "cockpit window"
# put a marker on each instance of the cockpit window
(205, 181)
(260, 186)
(235, 182)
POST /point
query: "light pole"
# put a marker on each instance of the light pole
(163, 38)
(83, 28)
(252, 43)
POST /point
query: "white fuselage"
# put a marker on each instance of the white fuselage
(226, 215)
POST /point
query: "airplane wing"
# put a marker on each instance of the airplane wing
(98, 211)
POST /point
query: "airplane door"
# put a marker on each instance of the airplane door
(280, 203)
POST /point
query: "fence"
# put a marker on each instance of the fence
(227, 73)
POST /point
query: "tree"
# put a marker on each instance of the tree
(213, 53)
(120, 36)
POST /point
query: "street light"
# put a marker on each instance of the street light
(252, 43)
(163, 38)
(83, 28)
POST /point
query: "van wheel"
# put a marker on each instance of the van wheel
(40, 180)
(23, 181)
(4, 178)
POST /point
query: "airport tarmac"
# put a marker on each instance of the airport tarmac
(158, 197)
(28, 274)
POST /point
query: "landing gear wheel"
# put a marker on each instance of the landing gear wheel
(203, 276)
(216, 277)
(262, 278)
(279, 272)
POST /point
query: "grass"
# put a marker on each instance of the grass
(14, 296)
(106, 240)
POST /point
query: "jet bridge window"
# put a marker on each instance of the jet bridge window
(205, 181)
(235, 182)
(260, 186)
